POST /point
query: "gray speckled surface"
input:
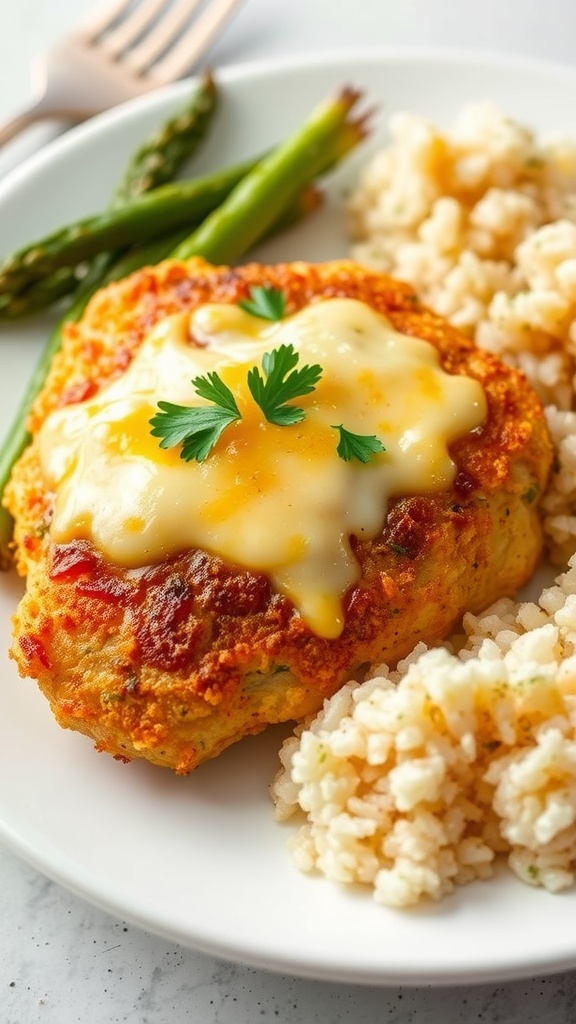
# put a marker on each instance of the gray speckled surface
(63, 961)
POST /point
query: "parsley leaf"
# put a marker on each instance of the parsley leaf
(213, 389)
(265, 302)
(279, 385)
(357, 446)
(196, 428)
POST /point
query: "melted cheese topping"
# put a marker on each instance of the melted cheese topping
(273, 499)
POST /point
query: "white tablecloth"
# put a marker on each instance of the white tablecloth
(61, 960)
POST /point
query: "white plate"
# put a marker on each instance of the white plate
(199, 860)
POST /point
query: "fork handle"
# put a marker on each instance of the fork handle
(18, 123)
(33, 112)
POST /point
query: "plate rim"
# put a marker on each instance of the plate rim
(266, 66)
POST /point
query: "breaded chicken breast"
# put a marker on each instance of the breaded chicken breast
(174, 659)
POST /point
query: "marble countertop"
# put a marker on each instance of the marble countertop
(62, 960)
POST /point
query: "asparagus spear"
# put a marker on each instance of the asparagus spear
(142, 219)
(160, 158)
(39, 295)
(45, 293)
(153, 214)
(46, 290)
(261, 196)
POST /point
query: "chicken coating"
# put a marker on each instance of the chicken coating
(175, 661)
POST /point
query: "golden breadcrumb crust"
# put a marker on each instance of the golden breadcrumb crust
(176, 661)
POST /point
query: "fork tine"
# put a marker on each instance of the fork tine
(136, 22)
(98, 20)
(79, 77)
(193, 43)
(143, 55)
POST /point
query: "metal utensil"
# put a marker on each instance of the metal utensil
(118, 52)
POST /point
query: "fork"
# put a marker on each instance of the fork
(116, 53)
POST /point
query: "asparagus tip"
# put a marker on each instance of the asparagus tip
(349, 96)
(207, 79)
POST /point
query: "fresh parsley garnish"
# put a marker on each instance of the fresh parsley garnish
(357, 446)
(281, 383)
(196, 428)
(265, 302)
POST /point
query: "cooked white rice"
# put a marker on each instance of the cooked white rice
(413, 781)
